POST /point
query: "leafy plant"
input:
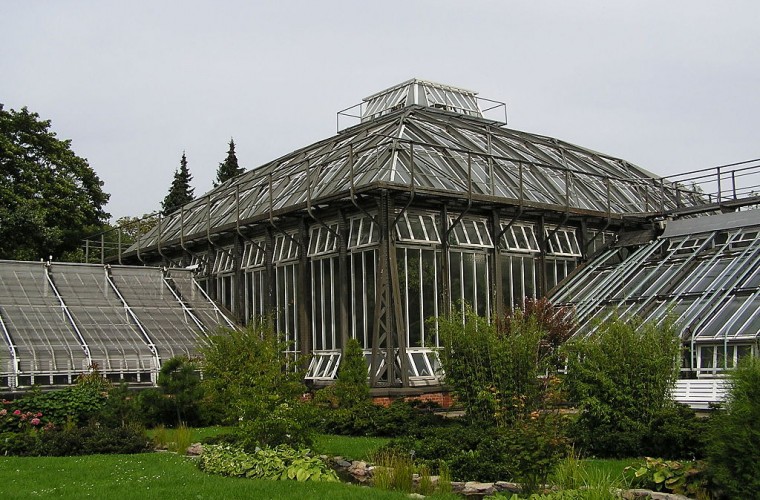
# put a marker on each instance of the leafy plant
(280, 463)
(621, 378)
(497, 372)
(351, 386)
(734, 438)
(180, 379)
(249, 378)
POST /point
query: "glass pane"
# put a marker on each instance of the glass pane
(456, 279)
(414, 284)
(706, 354)
(481, 285)
(429, 295)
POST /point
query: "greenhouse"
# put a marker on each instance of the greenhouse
(426, 204)
(60, 320)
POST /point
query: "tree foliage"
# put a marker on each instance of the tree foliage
(229, 168)
(621, 379)
(180, 192)
(50, 198)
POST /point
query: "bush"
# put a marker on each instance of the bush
(351, 387)
(93, 439)
(248, 375)
(79, 403)
(496, 372)
(621, 378)
(676, 433)
(733, 450)
(180, 380)
(400, 418)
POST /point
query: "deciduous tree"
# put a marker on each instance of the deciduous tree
(50, 198)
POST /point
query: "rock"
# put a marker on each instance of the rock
(475, 488)
(507, 486)
(339, 462)
(415, 495)
(360, 471)
(457, 486)
(194, 450)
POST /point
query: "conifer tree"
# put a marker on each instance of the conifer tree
(180, 192)
(229, 167)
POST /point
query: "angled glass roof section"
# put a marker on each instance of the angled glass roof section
(705, 271)
(406, 142)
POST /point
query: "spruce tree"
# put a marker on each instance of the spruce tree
(180, 193)
(229, 167)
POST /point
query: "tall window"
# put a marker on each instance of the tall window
(325, 288)
(253, 266)
(419, 281)
(224, 270)
(286, 289)
(519, 256)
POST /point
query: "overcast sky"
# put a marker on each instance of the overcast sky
(671, 86)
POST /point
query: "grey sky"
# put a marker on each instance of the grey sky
(671, 86)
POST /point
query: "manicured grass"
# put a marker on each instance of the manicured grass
(151, 476)
(348, 447)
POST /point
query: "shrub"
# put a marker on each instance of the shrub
(734, 441)
(93, 439)
(280, 463)
(676, 433)
(248, 375)
(495, 373)
(79, 403)
(181, 381)
(669, 476)
(621, 378)
(351, 387)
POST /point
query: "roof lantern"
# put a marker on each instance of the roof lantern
(416, 92)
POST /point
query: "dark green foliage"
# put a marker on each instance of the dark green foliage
(229, 168)
(733, 450)
(180, 192)
(248, 377)
(494, 372)
(19, 444)
(121, 408)
(155, 408)
(620, 379)
(92, 439)
(351, 387)
(180, 380)
(676, 433)
(400, 418)
(50, 198)
(525, 452)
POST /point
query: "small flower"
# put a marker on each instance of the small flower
(17, 412)
(38, 414)
(3, 412)
(35, 421)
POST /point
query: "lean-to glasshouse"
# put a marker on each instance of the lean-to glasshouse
(428, 203)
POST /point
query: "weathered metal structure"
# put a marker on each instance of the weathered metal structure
(60, 320)
(423, 206)
(427, 205)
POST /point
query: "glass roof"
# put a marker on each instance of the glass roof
(705, 271)
(409, 144)
(56, 320)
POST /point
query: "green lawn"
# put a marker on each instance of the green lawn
(150, 476)
(350, 448)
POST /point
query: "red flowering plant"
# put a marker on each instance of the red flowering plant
(15, 420)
